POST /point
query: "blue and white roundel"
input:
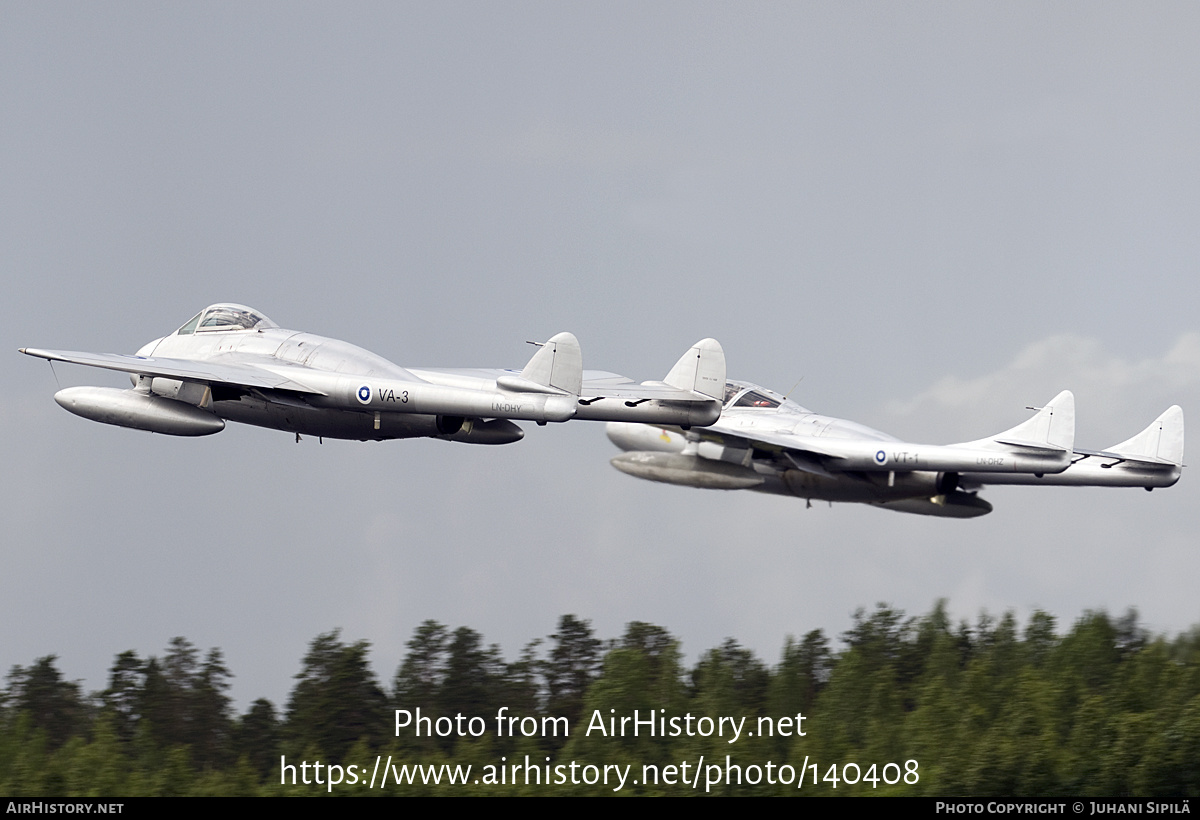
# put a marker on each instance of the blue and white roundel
(364, 394)
(880, 457)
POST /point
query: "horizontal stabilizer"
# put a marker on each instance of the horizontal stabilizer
(557, 364)
(701, 369)
(1152, 458)
(1160, 443)
(1051, 428)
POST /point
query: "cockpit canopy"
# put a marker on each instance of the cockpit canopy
(224, 317)
(745, 394)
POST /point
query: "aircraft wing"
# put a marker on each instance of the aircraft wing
(808, 454)
(779, 441)
(596, 384)
(208, 372)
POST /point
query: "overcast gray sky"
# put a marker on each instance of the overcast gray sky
(934, 214)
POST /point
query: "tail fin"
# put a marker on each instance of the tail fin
(557, 364)
(1051, 428)
(1161, 442)
(701, 369)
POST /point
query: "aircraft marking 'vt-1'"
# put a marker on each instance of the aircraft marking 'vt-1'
(230, 362)
(766, 442)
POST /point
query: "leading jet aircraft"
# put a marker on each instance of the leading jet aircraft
(230, 362)
(766, 442)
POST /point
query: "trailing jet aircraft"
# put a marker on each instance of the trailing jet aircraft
(766, 442)
(230, 362)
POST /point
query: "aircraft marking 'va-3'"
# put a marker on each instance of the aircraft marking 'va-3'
(230, 362)
(766, 442)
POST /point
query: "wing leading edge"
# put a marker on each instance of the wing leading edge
(207, 372)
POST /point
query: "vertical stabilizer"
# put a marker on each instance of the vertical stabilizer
(701, 369)
(1051, 428)
(558, 364)
(1161, 441)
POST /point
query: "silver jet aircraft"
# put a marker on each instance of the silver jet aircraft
(230, 362)
(766, 442)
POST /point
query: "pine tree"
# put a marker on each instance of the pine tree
(572, 666)
(53, 705)
(336, 699)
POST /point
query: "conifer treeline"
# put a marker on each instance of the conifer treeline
(985, 710)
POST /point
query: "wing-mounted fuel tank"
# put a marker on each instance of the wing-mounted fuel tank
(660, 454)
(140, 410)
(687, 470)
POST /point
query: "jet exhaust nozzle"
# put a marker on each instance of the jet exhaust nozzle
(493, 431)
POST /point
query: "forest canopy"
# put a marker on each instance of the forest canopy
(901, 705)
